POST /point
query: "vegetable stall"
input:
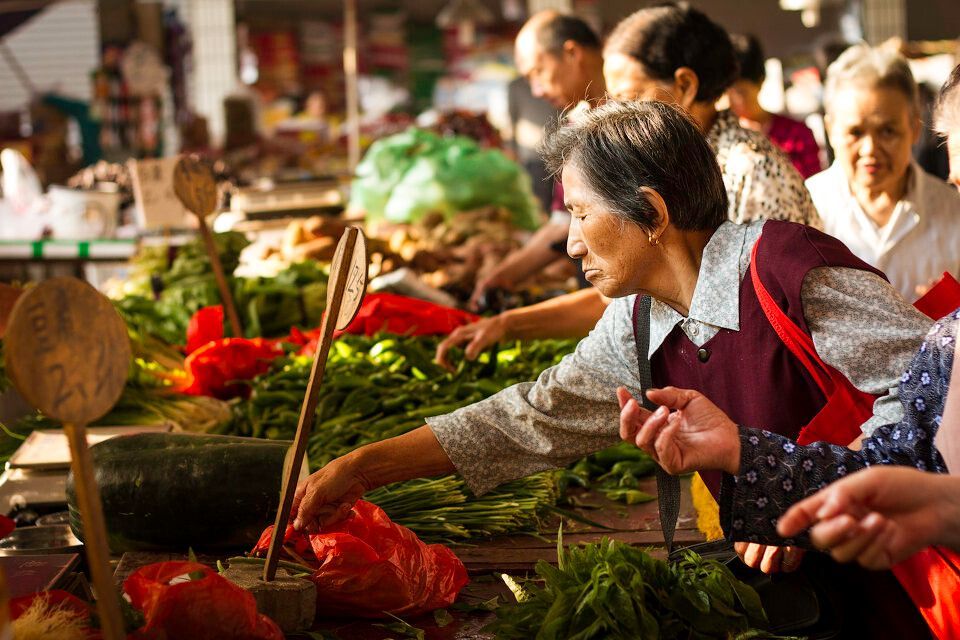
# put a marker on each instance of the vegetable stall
(190, 492)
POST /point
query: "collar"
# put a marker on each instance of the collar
(725, 122)
(716, 298)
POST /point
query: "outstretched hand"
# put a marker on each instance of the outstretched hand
(686, 433)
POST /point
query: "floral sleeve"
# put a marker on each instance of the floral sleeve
(775, 472)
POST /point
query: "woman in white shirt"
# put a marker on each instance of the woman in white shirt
(874, 198)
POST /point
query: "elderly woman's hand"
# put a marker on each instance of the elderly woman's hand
(687, 433)
(478, 336)
(768, 558)
(327, 496)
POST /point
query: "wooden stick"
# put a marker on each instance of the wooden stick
(350, 74)
(94, 533)
(226, 296)
(309, 408)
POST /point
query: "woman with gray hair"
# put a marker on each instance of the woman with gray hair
(700, 302)
(875, 198)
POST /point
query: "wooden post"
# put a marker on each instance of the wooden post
(350, 72)
(68, 354)
(194, 184)
(345, 291)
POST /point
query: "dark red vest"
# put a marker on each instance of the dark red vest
(750, 374)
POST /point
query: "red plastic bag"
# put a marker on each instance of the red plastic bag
(942, 298)
(368, 565)
(221, 368)
(393, 314)
(205, 326)
(208, 608)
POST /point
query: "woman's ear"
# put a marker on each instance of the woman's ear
(663, 214)
(686, 85)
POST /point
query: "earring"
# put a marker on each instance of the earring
(654, 241)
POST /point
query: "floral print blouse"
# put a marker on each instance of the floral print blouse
(775, 472)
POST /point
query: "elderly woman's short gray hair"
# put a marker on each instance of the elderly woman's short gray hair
(864, 66)
(947, 117)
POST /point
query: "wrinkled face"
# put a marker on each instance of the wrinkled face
(743, 95)
(552, 77)
(627, 80)
(616, 253)
(953, 150)
(871, 130)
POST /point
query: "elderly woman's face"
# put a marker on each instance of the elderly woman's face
(627, 80)
(872, 130)
(615, 252)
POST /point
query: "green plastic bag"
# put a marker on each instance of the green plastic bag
(405, 176)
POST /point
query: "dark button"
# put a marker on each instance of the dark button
(703, 355)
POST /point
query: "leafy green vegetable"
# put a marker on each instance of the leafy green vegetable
(613, 590)
(380, 387)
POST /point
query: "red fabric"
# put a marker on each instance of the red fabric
(796, 140)
(205, 326)
(6, 526)
(369, 565)
(209, 608)
(56, 598)
(942, 298)
(931, 577)
(221, 368)
(394, 314)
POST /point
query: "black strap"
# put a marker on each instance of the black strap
(668, 486)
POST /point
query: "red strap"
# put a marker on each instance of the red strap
(795, 339)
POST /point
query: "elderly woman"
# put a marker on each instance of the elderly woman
(879, 516)
(874, 197)
(674, 54)
(649, 216)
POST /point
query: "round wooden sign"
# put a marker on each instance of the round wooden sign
(194, 184)
(355, 273)
(8, 297)
(67, 350)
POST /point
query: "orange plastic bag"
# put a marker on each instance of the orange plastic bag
(367, 566)
(207, 608)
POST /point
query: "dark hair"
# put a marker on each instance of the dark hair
(750, 56)
(556, 31)
(667, 37)
(622, 146)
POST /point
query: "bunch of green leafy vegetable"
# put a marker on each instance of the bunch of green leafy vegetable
(615, 471)
(267, 306)
(612, 590)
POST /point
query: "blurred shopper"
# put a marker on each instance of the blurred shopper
(560, 56)
(881, 516)
(874, 197)
(793, 137)
(676, 54)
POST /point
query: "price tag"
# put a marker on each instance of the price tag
(157, 205)
(67, 350)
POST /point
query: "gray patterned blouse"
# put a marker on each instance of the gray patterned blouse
(859, 325)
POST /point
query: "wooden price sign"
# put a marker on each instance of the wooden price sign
(157, 206)
(195, 187)
(68, 354)
(345, 291)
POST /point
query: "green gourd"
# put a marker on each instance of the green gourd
(174, 491)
